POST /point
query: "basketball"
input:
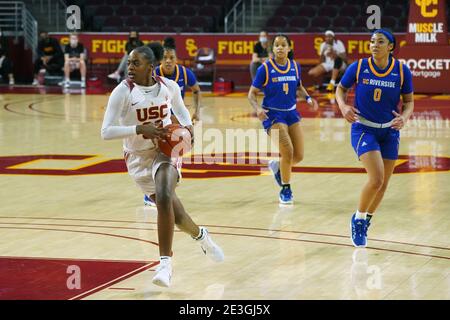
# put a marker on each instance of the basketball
(177, 142)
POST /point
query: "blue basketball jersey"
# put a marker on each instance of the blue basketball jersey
(279, 84)
(183, 76)
(377, 91)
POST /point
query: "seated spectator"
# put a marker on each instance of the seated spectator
(50, 56)
(74, 58)
(260, 53)
(5, 64)
(333, 58)
(132, 43)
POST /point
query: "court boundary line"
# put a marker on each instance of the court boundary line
(231, 227)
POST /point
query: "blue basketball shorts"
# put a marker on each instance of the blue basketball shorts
(286, 117)
(365, 139)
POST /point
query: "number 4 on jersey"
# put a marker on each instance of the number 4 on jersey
(286, 88)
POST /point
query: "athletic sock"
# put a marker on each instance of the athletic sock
(360, 215)
(332, 82)
(200, 235)
(165, 259)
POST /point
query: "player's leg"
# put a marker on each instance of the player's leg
(165, 180)
(183, 220)
(286, 150)
(285, 164)
(199, 234)
(373, 163)
(296, 134)
(389, 152)
(389, 166)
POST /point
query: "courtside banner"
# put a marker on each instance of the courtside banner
(230, 49)
(427, 52)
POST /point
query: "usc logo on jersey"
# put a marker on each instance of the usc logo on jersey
(152, 113)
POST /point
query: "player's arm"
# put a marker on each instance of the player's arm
(348, 79)
(196, 96)
(252, 98)
(407, 94)
(179, 108)
(303, 93)
(258, 83)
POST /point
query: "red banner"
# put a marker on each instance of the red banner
(428, 51)
(231, 49)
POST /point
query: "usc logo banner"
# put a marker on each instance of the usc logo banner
(425, 6)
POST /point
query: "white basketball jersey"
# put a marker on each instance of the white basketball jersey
(144, 105)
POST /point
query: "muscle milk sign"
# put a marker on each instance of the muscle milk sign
(427, 52)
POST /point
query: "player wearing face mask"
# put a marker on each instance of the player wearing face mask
(261, 53)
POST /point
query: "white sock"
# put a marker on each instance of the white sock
(83, 79)
(165, 259)
(332, 82)
(67, 80)
(200, 235)
(360, 215)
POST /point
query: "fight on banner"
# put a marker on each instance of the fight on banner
(427, 52)
(230, 49)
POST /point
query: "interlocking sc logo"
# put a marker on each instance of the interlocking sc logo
(424, 5)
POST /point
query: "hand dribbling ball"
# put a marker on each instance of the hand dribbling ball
(177, 141)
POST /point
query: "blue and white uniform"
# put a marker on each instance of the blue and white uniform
(279, 84)
(183, 76)
(377, 94)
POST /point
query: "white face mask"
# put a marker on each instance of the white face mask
(73, 43)
(262, 39)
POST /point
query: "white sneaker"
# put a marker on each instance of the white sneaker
(163, 274)
(66, 84)
(209, 247)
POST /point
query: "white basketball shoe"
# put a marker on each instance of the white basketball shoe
(163, 273)
(209, 247)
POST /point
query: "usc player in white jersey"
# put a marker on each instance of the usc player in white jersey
(138, 109)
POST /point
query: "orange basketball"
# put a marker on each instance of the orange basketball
(177, 142)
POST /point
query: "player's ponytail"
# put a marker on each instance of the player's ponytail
(169, 43)
(148, 54)
(157, 49)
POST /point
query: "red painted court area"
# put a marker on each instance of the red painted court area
(55, 279)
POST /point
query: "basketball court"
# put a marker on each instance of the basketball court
(73, 224)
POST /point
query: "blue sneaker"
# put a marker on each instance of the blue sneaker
(359, 231)
(148, 201)
(286, 195)
(274, 166)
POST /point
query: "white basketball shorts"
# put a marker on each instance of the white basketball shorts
(143, 165)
